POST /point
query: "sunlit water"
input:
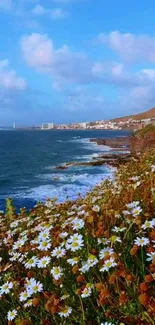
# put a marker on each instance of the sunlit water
(28, 160)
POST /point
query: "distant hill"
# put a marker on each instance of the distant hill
(147, 114)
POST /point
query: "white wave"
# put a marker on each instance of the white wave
(87, 144)
(74, 184)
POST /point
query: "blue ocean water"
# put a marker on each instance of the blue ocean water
(28, 160)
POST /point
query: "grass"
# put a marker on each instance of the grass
(91, 261)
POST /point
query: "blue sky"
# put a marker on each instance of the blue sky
(75, 60)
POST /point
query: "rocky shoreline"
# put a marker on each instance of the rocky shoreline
(120, 144)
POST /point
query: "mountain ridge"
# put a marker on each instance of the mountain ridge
(140, 116)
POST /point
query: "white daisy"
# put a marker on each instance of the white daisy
(148, 224)
(106, 252)
(86, 292)
(151, 256)
(23, 296)
(32, 262)
(44, 245)
(136, 211)
(65, 312)
(12, 314)
(35, 287)
(141, 241)
(43, 262)
(58, 252)
(73, 261)
(57, 272)
(108, 264)
(6, 287)
(77, 224)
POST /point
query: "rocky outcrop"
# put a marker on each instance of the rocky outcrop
(114, 143)
(107, 159)
(143, 140)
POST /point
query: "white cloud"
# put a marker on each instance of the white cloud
(9, 78)
(39, 52)
(129, 46)
(55, 14)
(38, 10)
(5, 4)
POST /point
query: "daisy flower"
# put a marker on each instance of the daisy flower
(108, 264)
(43, 262)
(141, 241)
(65, 312)
(118, 229)
(96, 208)
(43, 235)
(77, 224)
(28, 303)
(106, 252)
(86, 292)
(148, 224)
(35, 287)
(6, 287)
(151, 256)
(57, 272)
(44, 245)
(32, 262)
(59, 252)
(23, 296)
(73, 261)
(12, 314)
(136, 211)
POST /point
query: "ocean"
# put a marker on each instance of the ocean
(28, 161)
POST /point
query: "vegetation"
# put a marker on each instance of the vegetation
(150, 128)
(86, 262)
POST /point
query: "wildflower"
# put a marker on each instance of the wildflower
(57, 272)
(106, 252)
(43, 235)
(141, 241)
(107, 323)
(153, 168)
(77, 223)
(12, 314)
(73, 261)
(86, 292)
(65, 312)
(104, 241)
(44, 245)
(15, 256)
(59, 252)
(75, 242)
(133, 204)
(23, 296)
(96, 208)
(43, 262)
(18, 244)
(151, 256)
(6, 287)
(136, 211)
(115, 239)
(92, 260)
(148, 224)
(28, 303)
(108, 264)
(118, 229)
(35, 287)
(63, 234)
(32, 262)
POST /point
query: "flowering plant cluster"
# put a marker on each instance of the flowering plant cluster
(91, 261)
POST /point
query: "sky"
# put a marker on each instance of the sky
(66, 61)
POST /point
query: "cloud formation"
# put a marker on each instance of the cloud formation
(9, 78)
(130, 47)
(55, 13)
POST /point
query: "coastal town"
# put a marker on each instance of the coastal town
(129, 124)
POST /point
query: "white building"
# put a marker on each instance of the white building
(83, 125)
(47, 126)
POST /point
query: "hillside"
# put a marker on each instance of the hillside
(147, 114)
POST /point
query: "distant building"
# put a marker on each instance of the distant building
(83, 125)
(47, 126)
(14, 125)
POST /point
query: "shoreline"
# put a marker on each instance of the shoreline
(121, 145)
